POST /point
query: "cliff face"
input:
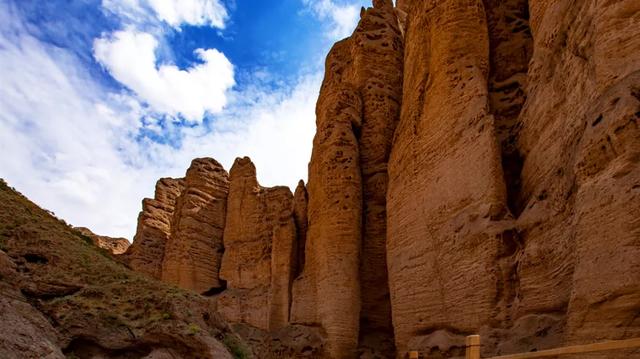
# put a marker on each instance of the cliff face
(446, 193)
(475, 170)
(260, 247)
(581, 145)
(345, 265)
(516, 239)
(193, 252)
(154, 228)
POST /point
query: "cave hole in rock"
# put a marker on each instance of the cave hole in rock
(216, 290)
(88, 348)
(35, 258)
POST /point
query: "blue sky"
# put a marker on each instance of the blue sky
(100, 98)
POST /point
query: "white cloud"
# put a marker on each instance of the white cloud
(192, 12)
(130, 57)
(343, 18)
(173, 12)
(71, 145)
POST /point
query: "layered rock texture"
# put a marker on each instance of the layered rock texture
(358, 109)
(476, 169)
(260, 246)
(154, 228)
(194, 249)
(514, 174)
(113, 245)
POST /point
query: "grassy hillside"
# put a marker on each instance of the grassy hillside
(94, 304)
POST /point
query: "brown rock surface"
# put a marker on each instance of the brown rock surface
(194, 249)
(300, 207)
(377, 62)
(581, 147)
(345, 262)
(113, 245)
(24, 331)
(475, 170)
(564, 101)
(260, 248)
(445, 180)
(154, 228)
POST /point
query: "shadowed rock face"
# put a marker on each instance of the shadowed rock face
(194, 250)
(580, 143)
(446, 190)
(345, 262)
(154, 228)
(260, 248)
(300, 205)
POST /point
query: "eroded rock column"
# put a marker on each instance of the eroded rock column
(377, 62)
(146, 253)
(335, 207)
(446, 188)
(260, 249)
(581, 144)
(194, 250)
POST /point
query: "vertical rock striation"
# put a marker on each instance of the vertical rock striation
(300, 204)
(357, 113)
(260, 248)
(516, 241)
(581, 147)
(154, 228)
(377, 62)
(446, 190)
(194, 250)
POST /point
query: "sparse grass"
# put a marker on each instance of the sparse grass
(236, 347)
(193, 329)
(111, 295)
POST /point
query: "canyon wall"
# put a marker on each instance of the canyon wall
(260, 249)
(475, 170)
(194, 249)
(515, 241)
(357, 111)
(581, 148)
(446, 192)
(154, 228)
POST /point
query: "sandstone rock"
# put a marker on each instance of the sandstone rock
(194, 249)
(581, 144)
(445, 178)
(377, 62)
(260, 247)
(294, 341)
(335, 208)
(345, 263)
(154, 228)
(475, 170)
(564, 101)
(113, 245)
(300, 207)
